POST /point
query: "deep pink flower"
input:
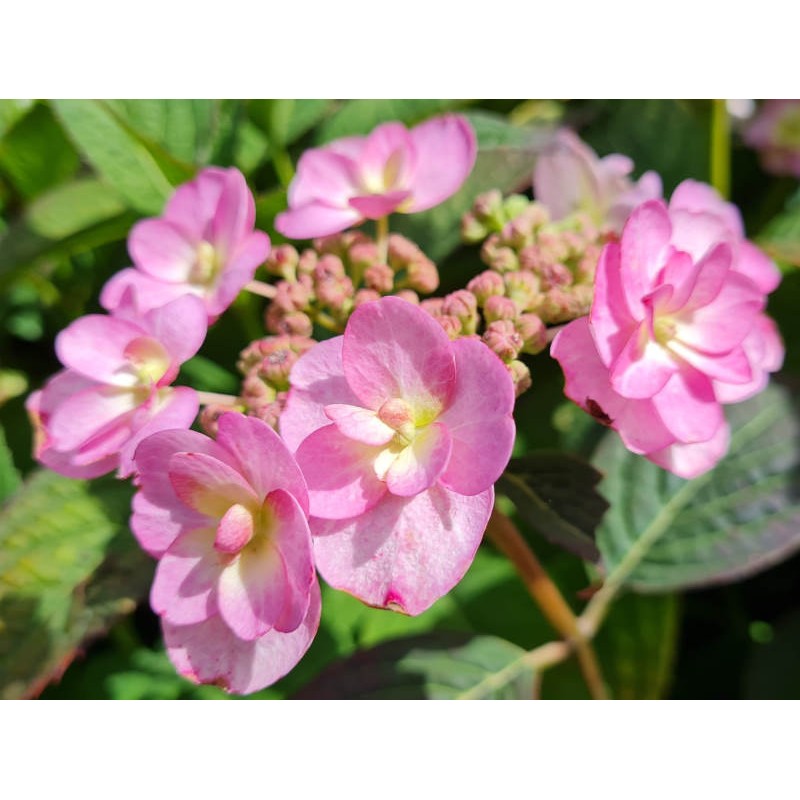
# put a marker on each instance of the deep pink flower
(115, 389)
(775, 133)
(367, 177)
(676, 328)
(204, 244)
(400, 434)
(569, 177)
(235, 584)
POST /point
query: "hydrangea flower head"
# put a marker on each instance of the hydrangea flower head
(775, 133)
(116, 389)
(676, 329)
(368, 177)
(570, 177)
(204, 244)
(235, 584)
(400, 434)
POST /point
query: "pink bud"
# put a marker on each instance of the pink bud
(329, 266)
(497, 308)
(471, 229)
(307, 261)
(452, 325)
(485, 285)
(379, 277)
(292, 322)
(409, 296)
(363, 255)
(464, 307)
(401, 251)
(521, 376)
(522, 288)
(365, 296)
(282, 261)
(533, 332)
(502, 339)
(433, 306)
(422, 275)
(498, 256)
(209, 417)
(555, 274)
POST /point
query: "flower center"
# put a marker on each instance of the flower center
(206, 264)
(664, 329)
(148, 360)
(399, 416)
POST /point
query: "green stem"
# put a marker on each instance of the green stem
(215, 398)
(720, 148)
(261, 289)
(382, 237)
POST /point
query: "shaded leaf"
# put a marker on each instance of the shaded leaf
(117, 155)
(773, 671)
(555, 494)
(663, 533)
(68, 569)
(206, 375)
(9, 477)
(436, 666)
(359, 117)
(35, 153)
(780, 238)
(284, 121)
(11, 111)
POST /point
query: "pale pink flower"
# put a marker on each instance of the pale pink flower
(569, 177)
(367, 177)
(235, 584)
(775, 133)
(400, 434)
(204, 244)
(676, 329)
(115, 389)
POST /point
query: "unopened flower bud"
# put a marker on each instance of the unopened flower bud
(521, 376)
(515, 205)
(409, 296)
(307, 261)
(401, 251)
(209, 417)
(255, 391)
(292, 322)
(363, 255)
(379, 277)
(555, 274)
(502, 338)
(498, 256)
(533, 332)
(329, 266)
(365, 296)
(485, 285)
(433, 306)
(282, 261)
(472, 230)
(452, 325)
(488, 209)
(422, 275)
(275, 367)
(522, 288)
(497, 308)
(464, 307)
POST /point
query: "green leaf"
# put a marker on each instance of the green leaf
(35, 153)
(207, 376)
(554, 493)
(117, 155)
(494, 130)
(284, 121)
(508, 168)
(9, 477)
(12, 384)
(11, 111)
(780, 238)
(68, 569)
(663, 533)
(773, 671)
(359, 117)
(436, 666)
(636, 646)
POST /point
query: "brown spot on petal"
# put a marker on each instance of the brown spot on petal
(597, 412)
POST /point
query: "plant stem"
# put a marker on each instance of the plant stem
(213, 398)
(382, 237)
(720, 148)
(502, 531)
(262, 289)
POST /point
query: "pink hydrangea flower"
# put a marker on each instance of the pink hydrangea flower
(775, 133)
(367, 177)
(115, 389)
(569, 177)
(400, 434)
(676, 329)
(235, 584)
(204, 244)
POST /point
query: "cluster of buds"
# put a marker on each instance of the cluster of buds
(551, 264)
(323, 284)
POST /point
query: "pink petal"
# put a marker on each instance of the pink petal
(210, 652)
(387, 158)
(175, 407)
(375, 206)
(690, 460)
(323, 176)
(193, 205)
(238, 272)
(359, 424)
(393, 349)
(756, 265)
(317, 380)
(234, 216)
(150, 292)
(235, 529)
(156, 527)
(340, 474)
(643, 366)
(478, 418)
(186, 577)
(161, 249)
(293, 540)
(261, 457)
(445, 149)
(315, 218)
(405, 553)
(95, 347)
(699, 197)
(688, 407)
(207, 485)
(696, 233)
(180, 326)
(418, 466)
(712, 277)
